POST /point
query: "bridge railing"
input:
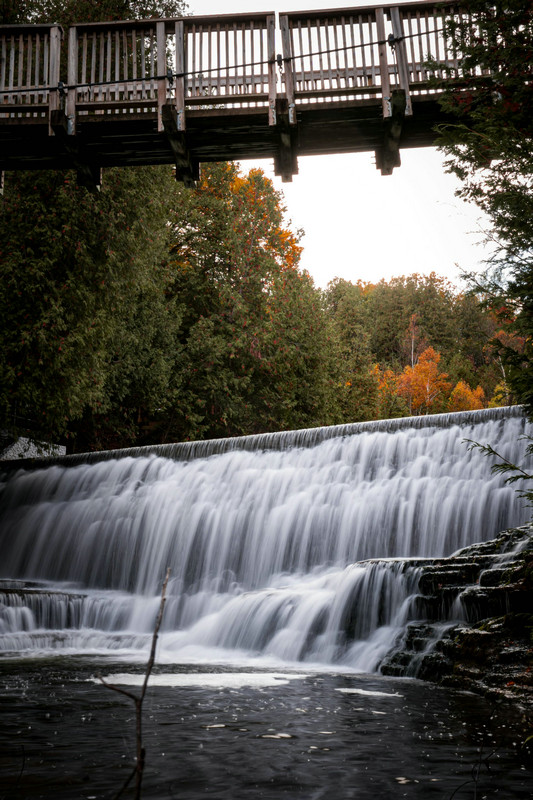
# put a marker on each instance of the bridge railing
(225, 64)
(29, 70)
(209, 62)
(364, 53)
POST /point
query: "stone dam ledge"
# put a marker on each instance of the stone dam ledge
(490, 585)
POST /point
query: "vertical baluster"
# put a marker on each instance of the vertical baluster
(3, 64)
(320, 47)
(372, 49)
(251, 57)
(152, 51)
(244, 68)
(93, 63)
(339, 55)
(300, 64)
(108, 60)
(37, 72)
(271, 51)
(218, 58)
(118, 90)
(209, 71)
(125, 71)
(46, 59)
(161, 71)
(328, 54)
(143, 64)
(101, 73)
(11, 68)
(3, 67)
(134, 74)
(236, 59)
(19, 97)
(200, 59)
(227, 73)
(261, 69)
(29, 67)
(345, 27)
(84, 60)
(194, 83)
(428, 36)
(412, 66)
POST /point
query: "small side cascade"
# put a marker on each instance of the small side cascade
(328, 547)
(474, 584)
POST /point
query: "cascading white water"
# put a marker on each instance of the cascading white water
(264, 545)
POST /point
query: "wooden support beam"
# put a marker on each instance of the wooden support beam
(88, 174)
(187, 168)
(285, 162)
(388, 156)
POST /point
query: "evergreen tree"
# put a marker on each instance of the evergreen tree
(490, 148)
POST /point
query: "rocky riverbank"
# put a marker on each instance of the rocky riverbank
(490, 586)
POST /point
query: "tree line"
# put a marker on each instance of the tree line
(154, 313)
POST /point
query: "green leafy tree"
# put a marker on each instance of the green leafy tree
(490, 148)
(255, 351)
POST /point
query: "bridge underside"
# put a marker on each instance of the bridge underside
(105, 140)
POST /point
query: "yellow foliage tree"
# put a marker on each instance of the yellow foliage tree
(463, 398)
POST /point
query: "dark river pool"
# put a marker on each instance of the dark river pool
(241, 733)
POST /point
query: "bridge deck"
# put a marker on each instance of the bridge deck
(199, 89)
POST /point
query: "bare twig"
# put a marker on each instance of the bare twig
(138, 701)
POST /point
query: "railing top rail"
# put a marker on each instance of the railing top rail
(29, 29)
(256, 17)
(416, 5)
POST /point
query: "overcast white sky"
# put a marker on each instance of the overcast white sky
(360, 225)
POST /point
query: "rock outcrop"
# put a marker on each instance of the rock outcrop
(489, 587)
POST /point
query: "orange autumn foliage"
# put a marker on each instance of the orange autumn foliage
(463, 398)
(423, 386)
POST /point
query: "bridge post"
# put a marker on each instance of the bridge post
(383, 64)
(72, 80)
(288, 66)
(54, 73)
(401, 58)
(161, 71)
(180, 74)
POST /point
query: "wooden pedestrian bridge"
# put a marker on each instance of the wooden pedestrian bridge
(217, 88)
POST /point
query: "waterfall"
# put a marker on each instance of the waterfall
(291, 546)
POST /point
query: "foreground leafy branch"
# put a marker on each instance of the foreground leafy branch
(514, 472)
(138, 769)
